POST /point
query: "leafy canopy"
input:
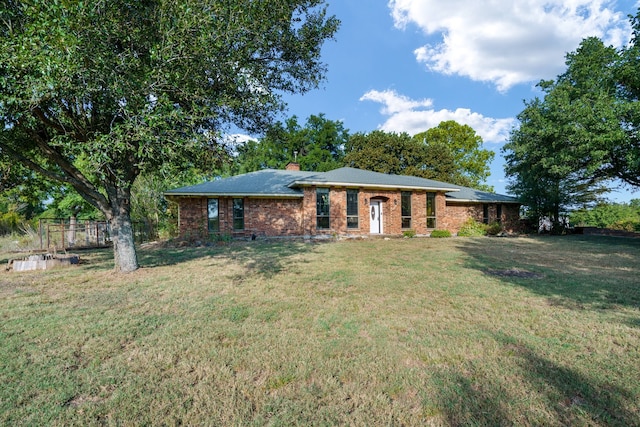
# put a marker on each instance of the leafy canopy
(318, 146)
(449, 152)
(93, 94)
(624, 216)
(388, 152)
(471, 162)
(583, 134)
(542, 174)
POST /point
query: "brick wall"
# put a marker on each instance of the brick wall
(263, 217)
(391, 211)
(458, 213)
(273, 217)
(297, 217)
(511, 217)
(192, 216)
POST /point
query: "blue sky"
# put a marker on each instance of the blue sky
(407, 65)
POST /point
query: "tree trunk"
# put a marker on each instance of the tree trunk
(124, 249)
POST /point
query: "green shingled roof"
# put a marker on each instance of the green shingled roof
(472, 195)
(264, 183)
(364, 178)
(285, 183)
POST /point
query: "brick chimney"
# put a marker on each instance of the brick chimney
(292, 166)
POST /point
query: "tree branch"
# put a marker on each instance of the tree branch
(40, 115)
(72, 175)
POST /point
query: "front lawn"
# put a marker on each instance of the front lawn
(480, 331)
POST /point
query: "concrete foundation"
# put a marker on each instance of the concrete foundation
(44, 262)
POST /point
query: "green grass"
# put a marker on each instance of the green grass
(477, 331)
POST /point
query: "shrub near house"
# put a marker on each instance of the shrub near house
(343, 201)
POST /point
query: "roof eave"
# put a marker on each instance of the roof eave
(482, 201)
(253, 195)
(372, 186)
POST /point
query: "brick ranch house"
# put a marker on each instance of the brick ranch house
(343, 201)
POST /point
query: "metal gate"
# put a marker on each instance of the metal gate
(68, 233)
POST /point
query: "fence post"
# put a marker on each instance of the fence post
(72, 230)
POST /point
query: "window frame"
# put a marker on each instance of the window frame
(213, 222)
(353, 219)
(323, 208)
(499, 213)
(405, 202)
(485, 213)
(431, 210)
(238, 219)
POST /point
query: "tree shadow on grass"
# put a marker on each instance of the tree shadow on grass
(463, 400)
(578, 272)
(570, 393)
(96, 259)
(560, 395)
(265, 257)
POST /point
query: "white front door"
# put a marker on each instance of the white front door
(376, 217)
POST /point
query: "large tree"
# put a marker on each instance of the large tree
(582, 134)
(471, 161)
(317, 146)
(594, 105)
(544, 174)
(625, 156)
(395, 153)
(93, 94)
(449, 152)
(598, 115)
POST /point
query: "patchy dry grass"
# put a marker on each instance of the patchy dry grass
(373, 332)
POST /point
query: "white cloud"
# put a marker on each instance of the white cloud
(237, 138)
(406, 115)
(507, 42)
(394, 103)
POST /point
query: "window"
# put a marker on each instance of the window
(212, 215)
(406, 209)
(322, 208)
(431, 210)
(485, 214)
(499, 213)
(238, 214)
(352, 208)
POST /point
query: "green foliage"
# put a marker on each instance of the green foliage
(493, 229)
(409, 233)
(632, 225)
(92, 95)
(583, 133)
(222, 237)
(540, 164)
(149, 206)
(318, 146)
(10, 222)
(472, 228)
(22, 190)
(396, 153)
(470, 163)
(622, 216)
(383, 152)
(440, 233)
(449, 152)
(65, 202)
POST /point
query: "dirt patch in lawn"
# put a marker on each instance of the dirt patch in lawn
(514, 272)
